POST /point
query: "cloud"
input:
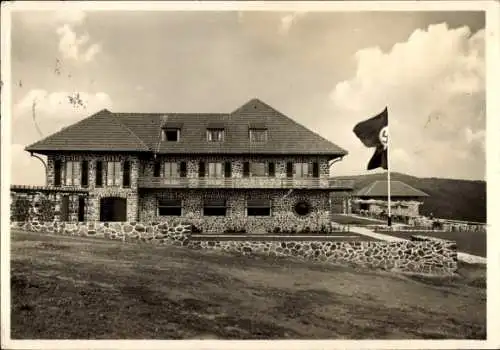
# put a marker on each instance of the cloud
(287, 21)
(72, 16)
(72, 46)
(434, 87)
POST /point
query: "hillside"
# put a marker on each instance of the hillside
(448, 198)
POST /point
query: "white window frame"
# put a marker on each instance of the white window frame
(252, 168)
(71, 177)
(170, 170)
(301, 170)
(218, 133)
(215, 170)
(253, 132)
(164, 134)
(113, 169)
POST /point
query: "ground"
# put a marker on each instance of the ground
(467, 242)
(77, 287)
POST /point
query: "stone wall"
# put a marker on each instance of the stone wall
(420, 255)
(283, 219)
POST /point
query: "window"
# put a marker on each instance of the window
(126, 173)
(215, 135)
(315, 169)
(183, 169)
(271, 169)
(57, 172)
(170, 170)
(258, 169)
(289, 169)
(302, 208)
(201, 169)
(113, 174)
(227, 169)
(156, 169)
(85, 173)
(71, 173)
(169, 207)
(171, 134)
(258, 135)
(258, 207)
(214, 208)
(215, 170)
(98, 174)
(301, 169)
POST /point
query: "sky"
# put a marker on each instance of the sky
(326, 70)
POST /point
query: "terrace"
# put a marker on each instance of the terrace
(245, 182)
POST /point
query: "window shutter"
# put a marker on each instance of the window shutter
(109, 173)
(271, 170)
(246, 169)
(157, 169)
(183, 169)
(201, 169)
(289, 169)
(85, 173)
(315, 169)
(98, 174)
(126, 173)
(227, 169)
(57, 172)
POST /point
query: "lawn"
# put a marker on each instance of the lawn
(351, 220)
(77, 287)
(467, 242)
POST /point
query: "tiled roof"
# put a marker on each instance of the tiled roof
(398, 189)
(141, 132)
(99, 132)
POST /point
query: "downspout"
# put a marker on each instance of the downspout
(44, 165)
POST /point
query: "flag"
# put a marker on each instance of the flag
(373, 132)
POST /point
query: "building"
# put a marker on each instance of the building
(372, 200)
(251, 170)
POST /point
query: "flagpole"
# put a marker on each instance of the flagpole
(389, 219)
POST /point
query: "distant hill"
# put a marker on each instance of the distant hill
(448, 198)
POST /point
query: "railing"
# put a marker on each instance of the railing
(246, 182)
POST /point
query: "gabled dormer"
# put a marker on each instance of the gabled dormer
(171, 131)
(257, 133)
(216, 132)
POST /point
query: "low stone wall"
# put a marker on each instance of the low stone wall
(420, 255)
(175, 232)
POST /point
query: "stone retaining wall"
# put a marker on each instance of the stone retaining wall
(420, 255)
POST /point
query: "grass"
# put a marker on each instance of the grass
(351, 220)
(467, 242)
(84, 288)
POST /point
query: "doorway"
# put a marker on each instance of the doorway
(113, 209)
(81, 208)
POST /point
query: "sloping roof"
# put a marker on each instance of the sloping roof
(141, 132)
(398, 189)
(99, 132)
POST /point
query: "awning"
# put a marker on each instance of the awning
(169, 202)
(258, 203)
(216, 125)
(172, 125)
(215, 203)
(260, 126)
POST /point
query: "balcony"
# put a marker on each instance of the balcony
(246, 182)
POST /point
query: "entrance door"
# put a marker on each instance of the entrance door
(81, 208)
(113, 209)
(65, 208)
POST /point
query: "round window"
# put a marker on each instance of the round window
(302, 208)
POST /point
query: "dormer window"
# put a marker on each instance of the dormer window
(257, 133)
(171, 131)
(171, 134)
(215, 135)
(215, 132)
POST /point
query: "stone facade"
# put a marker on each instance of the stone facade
(141, 202)
(282, 219)
(420, 255)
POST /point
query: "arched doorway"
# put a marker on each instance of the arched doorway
(113, 209)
